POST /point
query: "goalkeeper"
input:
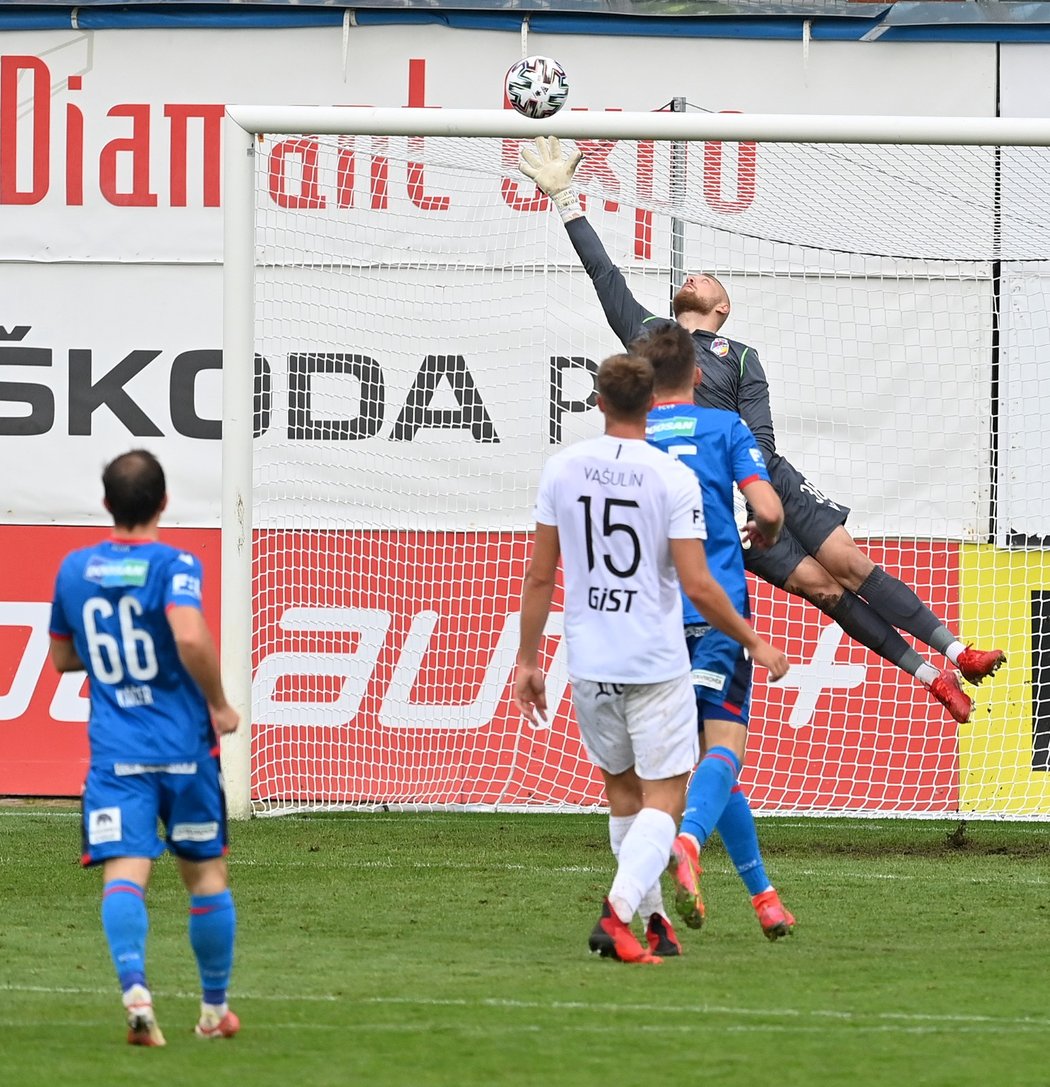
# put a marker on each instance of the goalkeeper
(815, 557)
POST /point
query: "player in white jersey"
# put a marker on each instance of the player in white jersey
(627, 522)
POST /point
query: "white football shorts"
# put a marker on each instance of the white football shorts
(650, 726)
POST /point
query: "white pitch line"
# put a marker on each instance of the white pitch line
(488, 1030)
(868, 1020)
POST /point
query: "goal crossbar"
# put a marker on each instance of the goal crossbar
(245, 127)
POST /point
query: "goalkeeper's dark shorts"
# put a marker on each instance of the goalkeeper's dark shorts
(809, 519)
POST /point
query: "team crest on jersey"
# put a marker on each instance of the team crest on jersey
(115, 573)
(719, 347)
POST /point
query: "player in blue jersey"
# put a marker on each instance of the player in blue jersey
(128, 612)
(626, 524)
(720, 449)
(815, 557)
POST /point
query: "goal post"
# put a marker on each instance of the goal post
(408, 335)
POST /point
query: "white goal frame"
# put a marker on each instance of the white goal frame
(243, 123)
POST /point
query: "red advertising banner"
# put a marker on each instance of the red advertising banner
(382, 675)
(43, 716)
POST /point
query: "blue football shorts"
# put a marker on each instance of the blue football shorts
(123, 805)
(721, 675)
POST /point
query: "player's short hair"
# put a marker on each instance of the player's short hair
(134, 487)
(625, 384)
(669, 349)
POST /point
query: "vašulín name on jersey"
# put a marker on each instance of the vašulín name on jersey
(613, 477)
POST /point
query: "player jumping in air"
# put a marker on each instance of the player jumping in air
(815, 557)
(720, 450)
(128, 612)
(625, 519)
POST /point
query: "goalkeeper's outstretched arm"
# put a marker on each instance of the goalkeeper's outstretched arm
(552, 170)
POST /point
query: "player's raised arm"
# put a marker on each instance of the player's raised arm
(711, 601)
(553, 169)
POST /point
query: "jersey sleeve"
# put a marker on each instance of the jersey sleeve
(753, 401)
(687, 506)
(748, 461)
(626, 316)
(183, 582)
(59, 624)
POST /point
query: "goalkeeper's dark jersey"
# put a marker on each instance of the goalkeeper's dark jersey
(733, 378)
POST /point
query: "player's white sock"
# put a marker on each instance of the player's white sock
(953, 651)
(643, 856)
(619, 825)
(926, 673)
(653, 899)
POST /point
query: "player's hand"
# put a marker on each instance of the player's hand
(752, 536)
(771, 659)
(530, 694)
(548, 166)
(225, 720)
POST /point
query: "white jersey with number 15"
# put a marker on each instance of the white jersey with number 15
(616, 502)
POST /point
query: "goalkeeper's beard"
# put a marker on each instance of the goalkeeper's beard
(687, 302)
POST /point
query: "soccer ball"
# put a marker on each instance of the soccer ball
(537, 86)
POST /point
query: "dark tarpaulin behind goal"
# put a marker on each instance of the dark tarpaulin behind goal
(843, 20)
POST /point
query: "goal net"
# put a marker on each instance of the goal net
(409, 335)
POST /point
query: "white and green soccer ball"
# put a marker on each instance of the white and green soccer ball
(537, 86)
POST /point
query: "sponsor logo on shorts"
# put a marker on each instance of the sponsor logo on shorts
(126, 769)
(103, 825)
(701, 677)
(194, 832)
(720, 347)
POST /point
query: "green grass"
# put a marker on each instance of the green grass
(416, 950)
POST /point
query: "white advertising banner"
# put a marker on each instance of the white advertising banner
(110, 141)
(1024, 493)
(111, 242)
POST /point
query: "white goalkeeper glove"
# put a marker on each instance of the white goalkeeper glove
(552, 171)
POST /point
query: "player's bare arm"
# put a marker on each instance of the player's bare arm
(530, 689)
(711, 601)
(763, 530)
(64, 656)
(197, 653)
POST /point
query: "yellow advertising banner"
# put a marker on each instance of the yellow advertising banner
(1004, 602)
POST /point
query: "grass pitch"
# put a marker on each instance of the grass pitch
(451, 950)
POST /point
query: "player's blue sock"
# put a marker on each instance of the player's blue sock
(736, 828)
(126, 924)
(709, 792)
(213, 924)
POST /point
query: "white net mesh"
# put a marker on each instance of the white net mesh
(428, 338)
